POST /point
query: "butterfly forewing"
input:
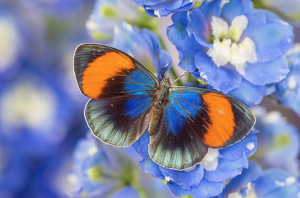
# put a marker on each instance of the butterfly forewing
(121, 90)
(193, 120)
(103, 72)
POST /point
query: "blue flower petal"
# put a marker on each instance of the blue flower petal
(248, 93)
(150, 167)
(270, 88)
(141, 143)
(237, 150)
(250, 152)
(165, 61)
(147, 164)
(204, 190)
(248, 175)
(210, 9)
(200, 21)
(186, 179)
(224, 78)
(266, 73)
(236, 8)
(289, 191)
(199, 27)
(185, 45)
(165, 7)
(269, 183)
(227, 169)
(177, 32)
(272, 39)
(144, 141)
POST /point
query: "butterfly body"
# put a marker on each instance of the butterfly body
(160, 101)
(127, 99)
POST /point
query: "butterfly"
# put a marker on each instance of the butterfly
(127, 99)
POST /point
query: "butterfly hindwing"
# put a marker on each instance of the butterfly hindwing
(193, 120)
(119, 121)
(121, 92)
(103, 72)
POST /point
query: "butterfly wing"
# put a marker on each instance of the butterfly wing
(193, 120)
(121, 92)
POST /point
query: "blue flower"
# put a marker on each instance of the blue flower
(102, 171)
(237, 49)
(108, 13)
(288, 90)
(278, 141)
(34, 114)
(166, 7)
(206, 179)
(142, 45)
(253, 182)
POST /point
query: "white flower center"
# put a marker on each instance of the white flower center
(227, 45)
(250, 193)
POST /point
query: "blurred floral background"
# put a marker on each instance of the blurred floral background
(248, 49)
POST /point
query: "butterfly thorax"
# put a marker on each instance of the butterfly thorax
(161, 100)
(162, 94)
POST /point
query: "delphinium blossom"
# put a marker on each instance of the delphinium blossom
(237, 49)
(255, 182)
(288, 90)
(209, 176)
(108, 13)
(102, 172)
(164, 7)
(143, 45)
(278, 141)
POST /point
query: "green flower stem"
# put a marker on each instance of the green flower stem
(141, 191)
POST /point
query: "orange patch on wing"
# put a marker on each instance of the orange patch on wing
(102, 68)
(222, 120)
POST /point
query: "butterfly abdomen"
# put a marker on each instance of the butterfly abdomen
(161, 99)
(155, 119)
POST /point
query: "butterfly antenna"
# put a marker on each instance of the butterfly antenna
(185, 74)
(179, 77)
(159, 61)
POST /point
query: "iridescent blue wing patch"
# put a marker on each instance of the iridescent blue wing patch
(119, 121)
(193, 120)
